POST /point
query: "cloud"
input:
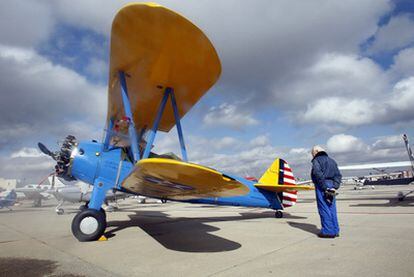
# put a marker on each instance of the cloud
(229, 115)
(26, 168)
(26, 152)
(332, 75)
(396, 34)
(403, 65)
(344, 143)
(41, 98)
(98, 69)
(25, 23)
(348, 149)
(388, 142)
(403, 98)
(348, 91)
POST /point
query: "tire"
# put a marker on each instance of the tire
(163, 201)
(89, 225)
(278, 214)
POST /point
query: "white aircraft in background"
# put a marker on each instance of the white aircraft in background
(79, 193)
(395, 178)
(37, 192)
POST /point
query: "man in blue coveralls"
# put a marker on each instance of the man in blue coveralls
(327, 179)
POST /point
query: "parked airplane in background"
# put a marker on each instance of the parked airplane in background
(9, 200)
(157, 55)
(38, 192)
(78, 193)
(404, 177)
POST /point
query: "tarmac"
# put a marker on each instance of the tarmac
(179, 239)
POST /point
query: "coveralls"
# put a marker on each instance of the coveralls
(325, 174)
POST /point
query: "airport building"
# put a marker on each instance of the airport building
(7, 184)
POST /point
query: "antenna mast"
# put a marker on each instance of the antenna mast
(410, 153)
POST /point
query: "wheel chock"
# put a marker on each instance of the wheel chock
(103, 238)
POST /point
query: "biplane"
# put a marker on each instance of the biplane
(161, 64)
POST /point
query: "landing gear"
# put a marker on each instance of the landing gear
(58, 209)
(37, 202)
(89, 224)
(278, 214)
(84, 206)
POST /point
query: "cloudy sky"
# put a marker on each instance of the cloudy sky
(295, 74)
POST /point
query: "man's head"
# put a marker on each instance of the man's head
(316, 149)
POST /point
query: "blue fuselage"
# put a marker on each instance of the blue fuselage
(112, 166)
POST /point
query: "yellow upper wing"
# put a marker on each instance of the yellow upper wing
(158, 48)
(166, 178)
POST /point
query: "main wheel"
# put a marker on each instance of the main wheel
(278, 214)
(89, 225)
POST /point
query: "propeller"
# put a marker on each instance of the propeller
(62, 157)
(46, 151)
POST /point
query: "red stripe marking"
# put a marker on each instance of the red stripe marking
(289, 177)
(289, 198)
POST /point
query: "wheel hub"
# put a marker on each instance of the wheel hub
(88, 225)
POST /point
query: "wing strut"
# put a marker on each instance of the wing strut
(128, 113)
(133, 136)
(178, 124)
(168, 92)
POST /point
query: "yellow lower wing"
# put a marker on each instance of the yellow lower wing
(280, 188)
(171, 179)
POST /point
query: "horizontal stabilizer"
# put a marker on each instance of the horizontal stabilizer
(281, 188)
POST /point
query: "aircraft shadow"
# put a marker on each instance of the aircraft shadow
(310, 228)
(184, 234)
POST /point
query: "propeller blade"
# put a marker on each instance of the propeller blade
(45, 150)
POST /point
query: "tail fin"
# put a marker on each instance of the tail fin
(279, 178)
(279, 173)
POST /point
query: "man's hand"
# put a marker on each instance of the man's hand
(330, 194)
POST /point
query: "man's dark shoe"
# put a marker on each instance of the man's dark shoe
(325, 236)
(337, 235)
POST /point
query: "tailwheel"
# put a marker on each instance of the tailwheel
(400, 196)
(60, 211)
(278, 214)
(89, 225)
